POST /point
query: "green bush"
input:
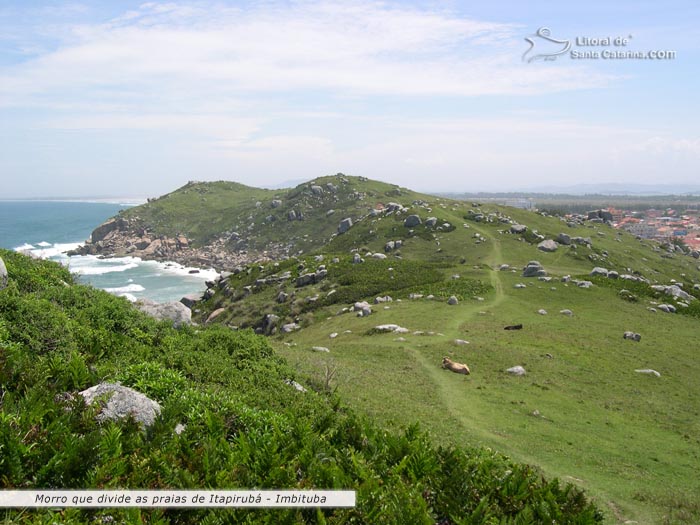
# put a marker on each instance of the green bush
(239, 425)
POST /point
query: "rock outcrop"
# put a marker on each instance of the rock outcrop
(118, 402)
(3, 274)
(548, 245)
(412, 221)
(345, 225)
(176, 312)
(534, 269)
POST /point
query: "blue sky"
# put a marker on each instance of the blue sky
(137, 98)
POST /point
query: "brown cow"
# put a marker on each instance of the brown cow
(458, 368)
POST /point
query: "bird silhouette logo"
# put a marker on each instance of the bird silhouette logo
(548, 48)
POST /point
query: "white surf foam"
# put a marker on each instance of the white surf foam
(100, 270)
(24, 247)
(120, 290)
(43, 244)
(54, 251)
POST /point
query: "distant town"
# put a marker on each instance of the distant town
(661, 224)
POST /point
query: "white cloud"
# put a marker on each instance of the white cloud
(358, 48)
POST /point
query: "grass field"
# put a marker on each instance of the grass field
(581, 413)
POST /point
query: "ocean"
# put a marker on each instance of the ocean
(48, 229)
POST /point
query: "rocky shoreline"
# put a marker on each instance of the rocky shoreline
(118, 237)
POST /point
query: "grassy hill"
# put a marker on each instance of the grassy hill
(582, 413)
(230, 418)
(285, 220)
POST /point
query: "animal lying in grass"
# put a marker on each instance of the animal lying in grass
(458, 368)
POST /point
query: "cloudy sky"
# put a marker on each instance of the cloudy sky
(114, 98)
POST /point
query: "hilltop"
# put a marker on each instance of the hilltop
(224, 224)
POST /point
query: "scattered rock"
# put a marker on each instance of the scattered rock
(412, 221)
(566, 311)
(118, 402)
(345, 225)
(548, 246)
(517, 371)
(289, 327)
(520, 285)
(391, 328)
(631, 335)
(296, 385)
(189, 300)
(542, 312)
(452, 300)
(431, 222)
(668, 308)
(216, 313)
(460, 342)
(648, 371)
(319, 349)
(269, 323)
(564, 239)
(603, 272)
(534, 269)
(362, 308)
(282, 297)
(356, 259)
(518, 228)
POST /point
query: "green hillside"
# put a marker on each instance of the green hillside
(280, 221)
(582, 412)
(230, 417)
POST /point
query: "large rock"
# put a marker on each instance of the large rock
(632, 335)
(118, 402)
(189, 300)
(564, 239)
(603, 272)
(516, 371)
(518, 228)
(176, 312)
(3, 274)
(345, 225)
(412, 221)
(548, 245)
(270, 324)
(106, 228)
(452, 300)
(534, 269)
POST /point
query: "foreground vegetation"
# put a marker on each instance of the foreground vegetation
(244, 425)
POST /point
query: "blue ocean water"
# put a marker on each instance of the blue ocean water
(48, 229)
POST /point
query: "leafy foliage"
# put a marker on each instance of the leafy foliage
(241, 425)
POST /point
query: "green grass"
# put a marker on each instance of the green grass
(244, 427)
(629, 439)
